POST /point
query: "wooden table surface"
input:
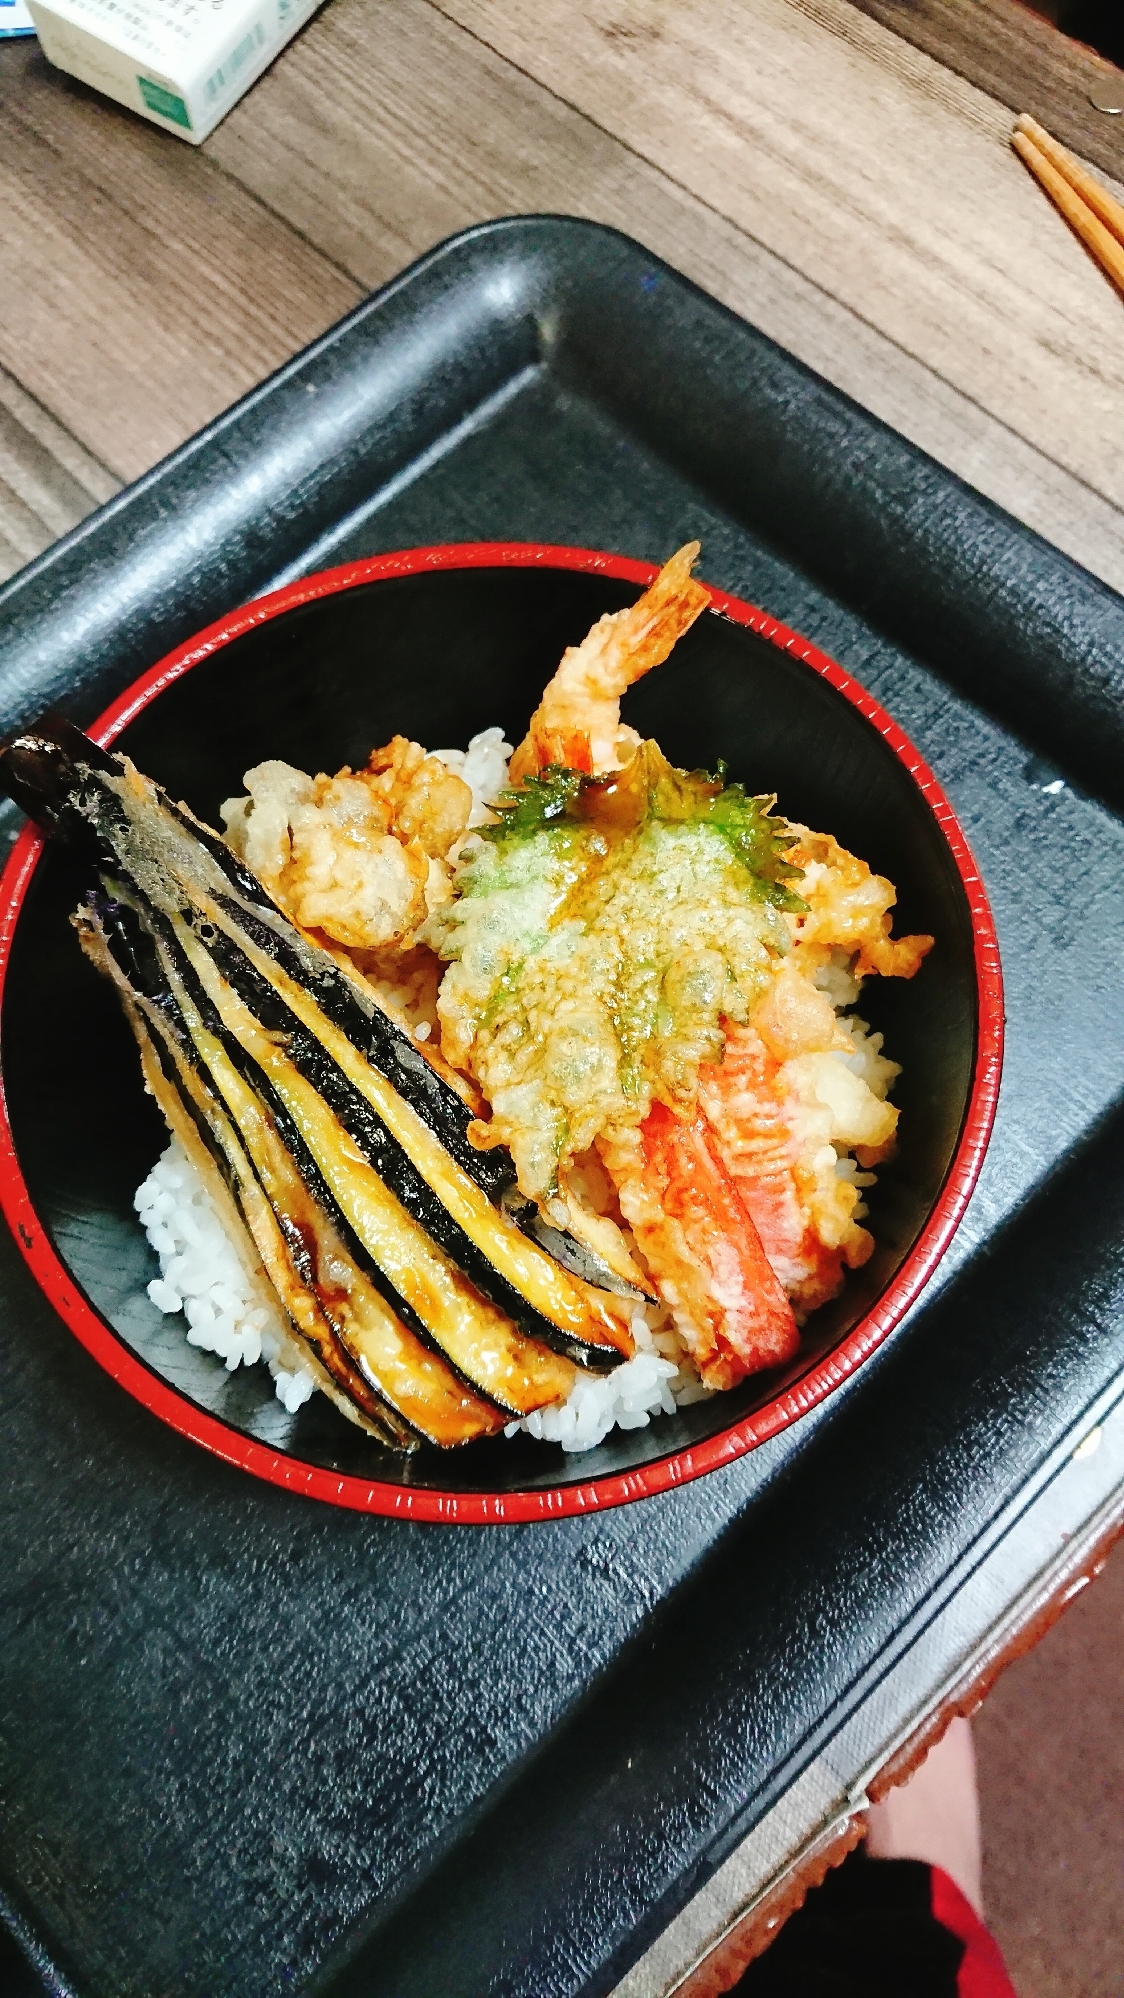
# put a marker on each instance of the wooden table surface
(827, 178)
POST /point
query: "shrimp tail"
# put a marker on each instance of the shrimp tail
(578, 721)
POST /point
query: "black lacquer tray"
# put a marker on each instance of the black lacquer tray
(253, 1745)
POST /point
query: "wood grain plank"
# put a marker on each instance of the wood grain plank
(385, 127)
(143, 290)
(1021, 60)
(455, 133)
(48, 482)
(879, 175)
(450, 134)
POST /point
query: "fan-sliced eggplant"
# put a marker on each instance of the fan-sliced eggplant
(248, 1214)
(515, 1272)
(484, 1346)
(177, 864)
(424, 1307)
(373, 1366)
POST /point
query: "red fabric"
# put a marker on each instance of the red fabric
(982, 1973)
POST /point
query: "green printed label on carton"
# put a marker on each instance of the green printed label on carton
(225, 74)
(164, 102)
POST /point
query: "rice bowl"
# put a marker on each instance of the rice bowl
(809, 1366)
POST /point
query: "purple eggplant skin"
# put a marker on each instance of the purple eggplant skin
(46, 771)
(40, 771)
(58, 775)
(133, 947)
(112, 926)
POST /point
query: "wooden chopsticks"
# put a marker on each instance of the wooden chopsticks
(1091, 211)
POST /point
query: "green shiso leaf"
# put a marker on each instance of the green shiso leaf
(650, 790)
(760, 839)
(539, 801)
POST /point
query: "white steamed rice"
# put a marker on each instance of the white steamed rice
(203, 1275)
(483, 766)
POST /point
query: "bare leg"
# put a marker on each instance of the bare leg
(936, 1815)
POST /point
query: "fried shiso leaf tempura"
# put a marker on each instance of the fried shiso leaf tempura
(643, 1090)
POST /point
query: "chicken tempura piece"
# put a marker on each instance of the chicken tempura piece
(360, 857)
(577, 723)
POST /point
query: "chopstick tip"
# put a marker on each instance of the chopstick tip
(1030, 125)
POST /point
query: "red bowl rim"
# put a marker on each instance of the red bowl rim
(479, 1508)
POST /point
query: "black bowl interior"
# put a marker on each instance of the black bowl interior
(439, 656)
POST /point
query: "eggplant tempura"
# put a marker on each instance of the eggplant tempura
(487, 1082)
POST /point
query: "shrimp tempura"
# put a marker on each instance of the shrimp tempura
(578, 721)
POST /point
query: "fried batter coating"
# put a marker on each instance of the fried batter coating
(578, 721)
(427, 801)
(360, 856)
(589, 972)
(847, 909)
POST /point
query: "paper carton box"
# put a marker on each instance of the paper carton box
(181, 63)
(14, 20)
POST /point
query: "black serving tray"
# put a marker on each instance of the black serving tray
(251, 1745)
